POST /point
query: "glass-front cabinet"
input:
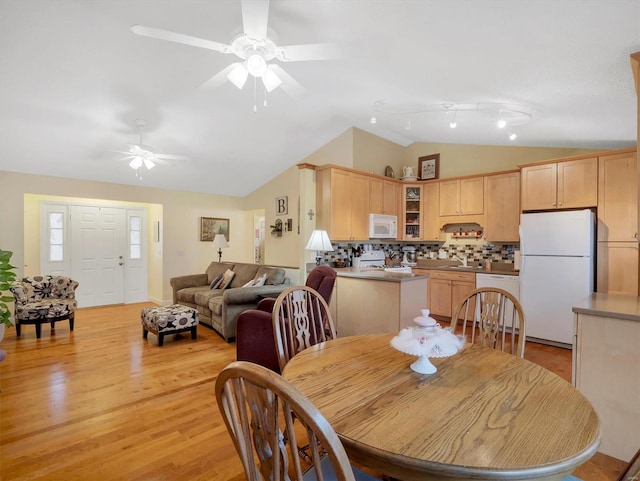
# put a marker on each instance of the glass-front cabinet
(412, 212)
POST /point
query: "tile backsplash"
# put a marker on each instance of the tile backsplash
(474, 253)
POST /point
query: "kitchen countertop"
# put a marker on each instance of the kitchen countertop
(618, 306)
(377, 274)
(498, 268)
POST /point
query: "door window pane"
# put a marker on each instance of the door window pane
(56, 236)
(135, 237)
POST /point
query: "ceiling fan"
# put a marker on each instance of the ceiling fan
(143, 155)
(254, 49)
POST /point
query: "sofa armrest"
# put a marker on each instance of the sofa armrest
(180, 282)
(252, 295)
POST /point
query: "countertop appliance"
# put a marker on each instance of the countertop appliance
(383, 226)
(509, 283)
(556, 271)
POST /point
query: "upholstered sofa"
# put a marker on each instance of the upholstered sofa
(220, 308)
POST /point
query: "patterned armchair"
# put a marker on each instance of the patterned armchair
(41, 299)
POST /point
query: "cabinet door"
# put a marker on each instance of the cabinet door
(412, 211)
(539, 187)
(359, 189)
(376, 196)
(578, 183)
(449, 197)
(440, 297)
(472, 196)
(502, 200)
(341, 187)
(618, 197)
(460, 290)
(431, 203)
(390, 198)
(618, 268)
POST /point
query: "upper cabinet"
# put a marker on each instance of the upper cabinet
(383, 196)
(342, 203)
(462, 196)
(412, 211)
(560, 185)
(618, 197)
(430, 211)
(502, 207)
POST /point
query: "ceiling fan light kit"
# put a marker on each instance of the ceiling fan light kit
(255, 50)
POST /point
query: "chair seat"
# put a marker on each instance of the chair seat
(328, 474)
(45, 309)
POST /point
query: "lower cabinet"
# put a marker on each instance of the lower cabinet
(448, 289)
(618, 264)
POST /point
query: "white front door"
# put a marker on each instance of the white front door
(98, 250)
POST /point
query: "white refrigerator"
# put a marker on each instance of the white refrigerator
(556, 271)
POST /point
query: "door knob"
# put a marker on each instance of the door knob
(120, 263)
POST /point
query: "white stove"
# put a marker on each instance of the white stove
(374, 260)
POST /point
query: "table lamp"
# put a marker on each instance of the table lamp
(319, 241)
(220, 241)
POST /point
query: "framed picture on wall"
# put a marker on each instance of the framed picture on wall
(210, 226)
(428, 166)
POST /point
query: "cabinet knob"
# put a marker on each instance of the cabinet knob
(560, 203)
(635, 235)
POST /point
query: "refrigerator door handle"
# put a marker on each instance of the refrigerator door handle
(523, 257)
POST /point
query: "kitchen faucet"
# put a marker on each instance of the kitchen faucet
(463, 260)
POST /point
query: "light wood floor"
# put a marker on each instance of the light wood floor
(103, 404)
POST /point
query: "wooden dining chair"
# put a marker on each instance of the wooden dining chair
(258, 407)
(301, 319)
(630, 473)
(495, 316)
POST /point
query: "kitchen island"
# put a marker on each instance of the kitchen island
(370, 301)
(606, 367)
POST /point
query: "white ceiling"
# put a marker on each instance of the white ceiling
(73, 79)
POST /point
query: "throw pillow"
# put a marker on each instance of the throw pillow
(216, 282)
(227, 277)
(260, 280)
(250, 283)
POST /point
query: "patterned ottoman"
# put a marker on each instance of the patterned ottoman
(169, 320)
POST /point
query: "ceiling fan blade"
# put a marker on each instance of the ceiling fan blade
(219, 78)
(255, 16)
(171, 157)
(290, 85)
(180, 38)
(312, 51)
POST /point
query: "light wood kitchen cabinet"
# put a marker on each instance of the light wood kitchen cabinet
(502, 207)
(383, 196)
(618, 197)
(560, 185)
(412, 212)
(618, 259)
(447, 289)
(430, 209)
(462, 197)
(342, 202)
(618, 268)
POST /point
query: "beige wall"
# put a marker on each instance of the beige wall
(456, 160)
(284, 250)
(181, 249)
(339, 151)
(372, 153)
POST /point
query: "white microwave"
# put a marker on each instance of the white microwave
(383, 226)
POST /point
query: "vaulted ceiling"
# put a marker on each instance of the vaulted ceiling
(74, 78)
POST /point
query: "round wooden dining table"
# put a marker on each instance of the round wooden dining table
(484, 414)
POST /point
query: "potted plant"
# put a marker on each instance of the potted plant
(6, 277)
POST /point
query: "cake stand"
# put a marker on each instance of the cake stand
(426, 339)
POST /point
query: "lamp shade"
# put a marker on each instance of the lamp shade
(319, 241)
(220, 241)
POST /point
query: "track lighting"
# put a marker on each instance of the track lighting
(502, 123)
(373, 119)
(453, 124)
(513, 136)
